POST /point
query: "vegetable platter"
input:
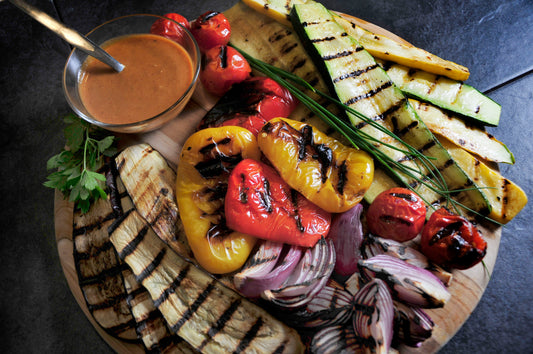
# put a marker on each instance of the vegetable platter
(466, 286)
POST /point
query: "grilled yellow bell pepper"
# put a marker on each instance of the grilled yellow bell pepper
(207, 158)
(331, 175)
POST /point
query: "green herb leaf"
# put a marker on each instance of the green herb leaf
(78, 166)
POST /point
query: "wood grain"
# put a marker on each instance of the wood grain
(467, 286)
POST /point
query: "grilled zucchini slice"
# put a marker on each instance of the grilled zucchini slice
(359, 82)
(446, 93)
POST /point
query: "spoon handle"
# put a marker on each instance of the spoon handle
(69, 35)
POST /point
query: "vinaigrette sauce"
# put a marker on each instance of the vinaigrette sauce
(157, 73)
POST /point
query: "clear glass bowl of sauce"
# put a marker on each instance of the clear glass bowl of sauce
(158, 80)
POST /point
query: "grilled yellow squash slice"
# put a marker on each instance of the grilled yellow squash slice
(378, 45)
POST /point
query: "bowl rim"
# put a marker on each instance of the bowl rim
(186, 94)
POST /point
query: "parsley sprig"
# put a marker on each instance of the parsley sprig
(77, 166)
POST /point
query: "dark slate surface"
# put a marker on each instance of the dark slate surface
(39, 314)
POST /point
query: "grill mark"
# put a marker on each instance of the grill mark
(123, 327)
(355, 73)
(108, 273)
(152, 266)
(150, 318)
(368, 94)
(172, 287)
(220, 323)
(428, 146)
(406, 130)
(88, 255)
(323, 39)
(132, 245)
(109, 303)
(249, 336)
(95, 225)
(342, 54)
(195, 306)
(288, 47)
(298, 64)
(111, 229)
(132, 295)
(382, 116)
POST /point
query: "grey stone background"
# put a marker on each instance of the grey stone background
(37, 310)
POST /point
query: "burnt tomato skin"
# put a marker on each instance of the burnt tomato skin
(223, 67)
(211, 29)
(398, 214)
(452, 241)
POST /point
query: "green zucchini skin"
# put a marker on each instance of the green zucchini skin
(445, 93)
(359, 82)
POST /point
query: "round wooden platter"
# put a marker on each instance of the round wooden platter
(466, 288)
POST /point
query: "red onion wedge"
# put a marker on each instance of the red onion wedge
(334, 340)
(407, 282)
(374, 317)
(307, 279)
(332, 305)
(412, 325)
(346, 231)
(268, 268)
(375, 245)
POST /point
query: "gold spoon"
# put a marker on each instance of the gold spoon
(68, 34)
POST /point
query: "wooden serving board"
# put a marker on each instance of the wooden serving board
(466, 288)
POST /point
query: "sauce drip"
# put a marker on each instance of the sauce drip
(158, 72)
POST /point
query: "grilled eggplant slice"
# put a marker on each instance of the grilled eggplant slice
(150, 324)
(149, 181)
(99, 270)
(196, 306)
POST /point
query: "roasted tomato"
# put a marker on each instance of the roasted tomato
(170, 29)
(261, 204)
(398, 214)
(207, 158)
(211, 29)
(250, 104)
(222, 67)
(450, 240)
(329, 174)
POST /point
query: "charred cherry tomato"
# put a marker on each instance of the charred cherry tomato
(450, 240)
(170, 29)
(250, 104)
(260, 203)
(222, 67)
(211, 29)
(207, 158)
(398, 214)
(333, 176)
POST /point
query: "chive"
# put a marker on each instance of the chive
(433, 179)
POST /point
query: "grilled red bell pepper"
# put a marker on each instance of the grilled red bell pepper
(258, 202)
(250, 104)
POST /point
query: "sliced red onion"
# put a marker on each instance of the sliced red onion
(332, 305)
(307, 279)
(412, 325)
(373, 320)
(353, 283)
(375, 245)
(407, 282)
(335, 339)
(268, 268)
(346, 231)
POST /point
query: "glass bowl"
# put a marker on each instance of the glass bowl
(122, 26)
